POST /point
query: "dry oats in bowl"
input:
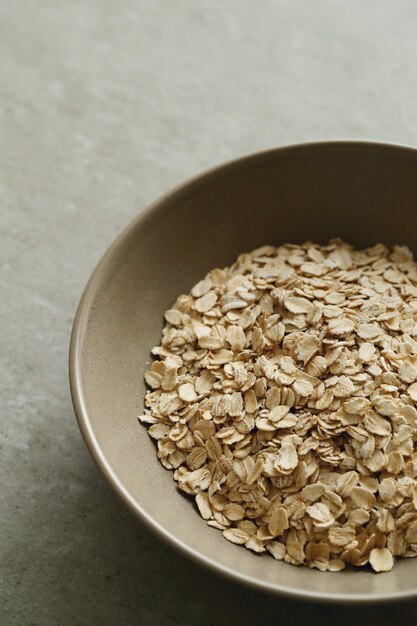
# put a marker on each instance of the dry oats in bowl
(302, 440)
(283, 398)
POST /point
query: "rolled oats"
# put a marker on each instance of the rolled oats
(381, 560)
(284, 399)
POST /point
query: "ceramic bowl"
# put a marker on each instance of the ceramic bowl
(362, 192)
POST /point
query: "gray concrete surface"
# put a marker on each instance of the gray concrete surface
(104, 104)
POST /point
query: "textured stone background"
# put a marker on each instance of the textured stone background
(105, 104)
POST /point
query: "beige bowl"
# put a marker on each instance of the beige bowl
(363, 192)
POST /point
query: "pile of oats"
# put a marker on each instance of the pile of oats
(284, 400)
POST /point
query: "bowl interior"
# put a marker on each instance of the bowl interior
(362, 192)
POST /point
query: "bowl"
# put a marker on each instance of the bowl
(363, 192)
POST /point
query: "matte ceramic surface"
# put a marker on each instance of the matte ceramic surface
(363, 192)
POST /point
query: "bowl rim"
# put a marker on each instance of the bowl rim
(78, 399)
